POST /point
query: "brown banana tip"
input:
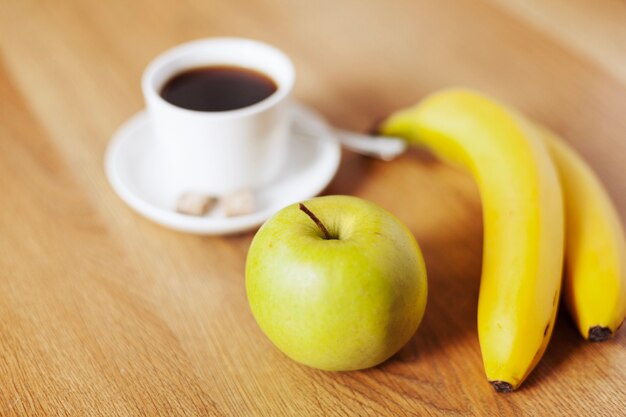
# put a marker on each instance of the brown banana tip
(599, 333)
(377, 125)
(501, 386)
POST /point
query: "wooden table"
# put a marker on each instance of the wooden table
(105, 313)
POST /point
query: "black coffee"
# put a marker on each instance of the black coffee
(217, 88)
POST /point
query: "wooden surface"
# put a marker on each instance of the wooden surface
(104, 313)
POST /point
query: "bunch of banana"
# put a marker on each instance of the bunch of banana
(525, 177)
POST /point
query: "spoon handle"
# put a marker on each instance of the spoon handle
(382, 147)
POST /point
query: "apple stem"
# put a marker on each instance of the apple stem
(317, 221)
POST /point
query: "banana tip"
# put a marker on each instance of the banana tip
(599, 333)
(501, 386)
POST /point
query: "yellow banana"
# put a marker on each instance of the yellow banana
(595, 248)
(523, 221)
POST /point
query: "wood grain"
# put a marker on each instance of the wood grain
(594, 32)
(103, 313)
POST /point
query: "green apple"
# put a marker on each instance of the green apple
(336, 283)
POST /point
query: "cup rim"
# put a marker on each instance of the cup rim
(150, 91)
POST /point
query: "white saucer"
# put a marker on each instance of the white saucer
(132, 168)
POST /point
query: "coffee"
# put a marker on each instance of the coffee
(217, 88)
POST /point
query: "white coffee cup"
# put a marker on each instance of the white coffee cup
(219, 152)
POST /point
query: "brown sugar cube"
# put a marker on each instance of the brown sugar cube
(239, 203)
(195, 204)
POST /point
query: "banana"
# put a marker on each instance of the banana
(594, 285)
(523, 221)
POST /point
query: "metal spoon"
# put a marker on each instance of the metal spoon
(381, 147)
